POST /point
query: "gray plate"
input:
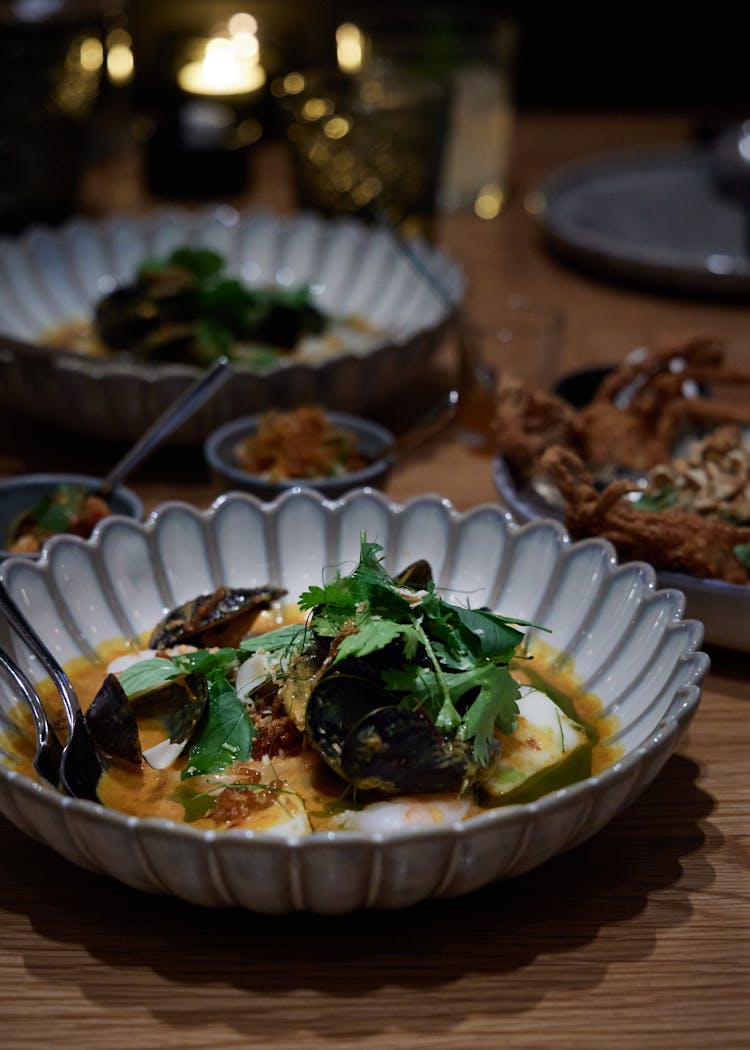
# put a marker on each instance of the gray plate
(653, 217)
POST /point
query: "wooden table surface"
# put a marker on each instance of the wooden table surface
(640, 937)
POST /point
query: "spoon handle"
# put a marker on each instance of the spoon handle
(185, 405)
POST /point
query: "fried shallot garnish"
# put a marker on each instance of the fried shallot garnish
(669, 539)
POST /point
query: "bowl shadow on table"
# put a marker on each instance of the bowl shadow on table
(510, 939)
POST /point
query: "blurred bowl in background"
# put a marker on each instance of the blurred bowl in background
(20, 494)
(52, 278)
(374, 442)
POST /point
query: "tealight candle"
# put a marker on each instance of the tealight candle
(229, 67)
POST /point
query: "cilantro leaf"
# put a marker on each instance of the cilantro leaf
(375, 634)
(495, 705)
(289, 639)
(332, 605)
(201, 262)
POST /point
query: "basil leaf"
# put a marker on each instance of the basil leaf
(226, 735)
(196, 803)
(206, 662)
(147, 674)
(493, 635)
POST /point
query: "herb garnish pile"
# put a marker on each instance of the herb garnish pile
(184, 307)
(446, 660)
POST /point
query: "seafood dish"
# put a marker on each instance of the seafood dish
(276, 278)
(612, 652)
(371, 704)
(658, 463)
(183, 307)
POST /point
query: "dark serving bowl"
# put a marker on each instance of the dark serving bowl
(374, 441)
(19, 494)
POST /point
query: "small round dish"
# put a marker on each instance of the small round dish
(374, 441)
(21, 493)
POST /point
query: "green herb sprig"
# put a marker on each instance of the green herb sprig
(450, 662)
(226, 734)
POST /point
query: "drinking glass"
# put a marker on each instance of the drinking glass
(369, 143)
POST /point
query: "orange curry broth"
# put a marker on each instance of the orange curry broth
(301, 781)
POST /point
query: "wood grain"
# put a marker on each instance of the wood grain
(639, 938)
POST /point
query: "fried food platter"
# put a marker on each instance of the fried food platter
(657, 463)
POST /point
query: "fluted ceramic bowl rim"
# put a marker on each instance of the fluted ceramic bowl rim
(670, 726)
(49, 276)
(225, 215)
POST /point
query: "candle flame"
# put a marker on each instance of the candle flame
(230, 66)
(349, 47)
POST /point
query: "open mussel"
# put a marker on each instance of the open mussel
(417, 575)
(165, 716)
(376, 745)
(222, 618)
(150, 314)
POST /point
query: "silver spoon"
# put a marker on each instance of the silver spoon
(186, 404)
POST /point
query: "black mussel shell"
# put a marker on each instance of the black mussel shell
(398, 751)
(417, 575)
(112, 717)
(378, 746)
(336, 704)
(111, 722)
(127, 317)
(222, 618)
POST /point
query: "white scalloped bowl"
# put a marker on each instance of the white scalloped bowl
(50, 276)
(629, 643)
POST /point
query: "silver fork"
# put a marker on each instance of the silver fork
(76, 767)
(48, 753)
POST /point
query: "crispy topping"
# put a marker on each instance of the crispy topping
(302, 443)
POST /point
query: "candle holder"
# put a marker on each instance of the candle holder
(200, 145)
(200, 148)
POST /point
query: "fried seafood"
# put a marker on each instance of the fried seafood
(694, 514)
(675, 540)
(635, 417)
(528, 421)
